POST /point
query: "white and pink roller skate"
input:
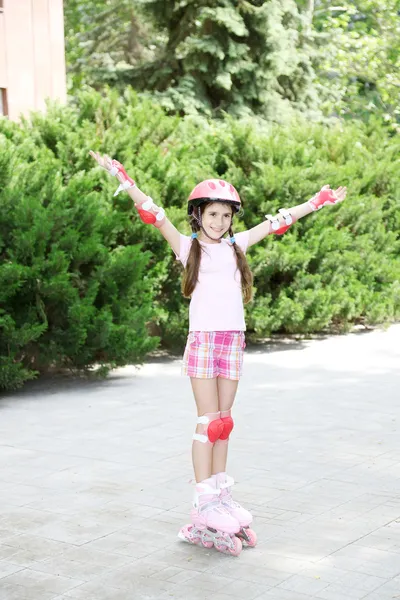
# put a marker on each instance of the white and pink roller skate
(224, 484)
(212, 525)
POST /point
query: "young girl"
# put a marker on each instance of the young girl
(217, 278)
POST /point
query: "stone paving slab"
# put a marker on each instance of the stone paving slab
(95, 480)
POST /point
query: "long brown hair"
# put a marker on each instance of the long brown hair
(191, 273)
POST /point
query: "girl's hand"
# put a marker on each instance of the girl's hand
(115, 169)
(339, 194)
(327, 196)
(106, 162)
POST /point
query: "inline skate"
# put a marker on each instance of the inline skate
(212, 524)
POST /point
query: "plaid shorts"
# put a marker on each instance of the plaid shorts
(210, 354)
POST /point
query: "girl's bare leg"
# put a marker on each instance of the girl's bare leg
(206, 396)
(226, 396)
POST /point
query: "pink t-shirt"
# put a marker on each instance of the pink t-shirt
(216, 303)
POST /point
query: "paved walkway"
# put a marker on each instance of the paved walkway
(94, 480)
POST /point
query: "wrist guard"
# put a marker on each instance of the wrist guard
(323, 198)
(275, 224)
(126, 182)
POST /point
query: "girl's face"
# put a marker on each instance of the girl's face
(216, 220)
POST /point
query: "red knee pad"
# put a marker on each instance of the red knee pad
(212, 428)
(215, 430)
(227, 423)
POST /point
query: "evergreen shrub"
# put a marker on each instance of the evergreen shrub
(75, 291)
(81, 277)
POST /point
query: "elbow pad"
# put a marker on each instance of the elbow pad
(150, 213)
(275, 224)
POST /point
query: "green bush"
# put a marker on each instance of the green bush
(74, 288)
(80, 279)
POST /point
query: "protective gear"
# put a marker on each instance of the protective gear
(212, 428)
(323, 198)
(215, 190)
(211, 523)
(228, 425)
(276, 227)
(224, 483)
(118, 169)
(150, 213)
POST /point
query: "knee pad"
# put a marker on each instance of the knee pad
(227, 425)
(212, 428)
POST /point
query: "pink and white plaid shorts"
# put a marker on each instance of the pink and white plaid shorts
(210, 354)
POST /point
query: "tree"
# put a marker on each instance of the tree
(105, 39)
(359, 60)
(259, 57)
(247, 57)
(239, 57)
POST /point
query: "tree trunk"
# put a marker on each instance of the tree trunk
(310, 14)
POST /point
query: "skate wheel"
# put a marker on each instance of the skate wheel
(233, 551)
(196, 540)
(237, 548)
(248, 537)
(252, 541)
(186, 534)
(207, 544)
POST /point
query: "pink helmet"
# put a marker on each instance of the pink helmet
(215, 190)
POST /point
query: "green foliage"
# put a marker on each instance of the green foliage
(79, 278)
(341, 265)
(207, 57)
(74, 290)
(332, 269)
(270, 58)
(359, 59)
(104, 40)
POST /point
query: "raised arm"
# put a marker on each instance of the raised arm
(149, 212)
(280, 223)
